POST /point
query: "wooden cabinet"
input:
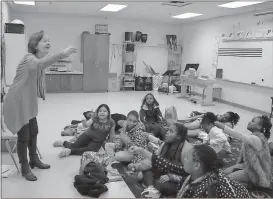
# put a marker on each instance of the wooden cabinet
(76, 83)
(64, 83)
(95, 62)
(53, 83)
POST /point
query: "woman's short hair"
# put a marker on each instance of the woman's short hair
(34, 40)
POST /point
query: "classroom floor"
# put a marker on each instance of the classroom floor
(58, 110)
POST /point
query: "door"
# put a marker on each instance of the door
(96, 63)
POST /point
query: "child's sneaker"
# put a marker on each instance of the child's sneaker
(111, 170)
(114, 178)
(65, 153)
(150, 192)
(58, 143)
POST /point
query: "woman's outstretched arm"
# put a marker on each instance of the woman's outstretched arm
(47, 61)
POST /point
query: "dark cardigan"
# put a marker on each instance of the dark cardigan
(150, 116)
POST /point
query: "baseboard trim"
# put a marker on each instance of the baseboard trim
(237, 105)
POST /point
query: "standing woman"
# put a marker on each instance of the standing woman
(21, 103)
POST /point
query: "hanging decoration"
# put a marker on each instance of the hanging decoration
(215, 57)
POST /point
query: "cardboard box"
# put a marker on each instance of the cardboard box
(113, 85)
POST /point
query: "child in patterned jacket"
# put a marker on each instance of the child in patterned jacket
(132, 134)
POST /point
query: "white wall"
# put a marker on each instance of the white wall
(198, 41)
(65, 30)
(5, 13)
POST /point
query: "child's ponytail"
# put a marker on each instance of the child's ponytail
(266, 126)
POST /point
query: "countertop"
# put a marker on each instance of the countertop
(64, 73)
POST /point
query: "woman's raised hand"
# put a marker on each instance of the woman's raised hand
(70, 50)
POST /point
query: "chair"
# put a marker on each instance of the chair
(271, 113)
(8, 138)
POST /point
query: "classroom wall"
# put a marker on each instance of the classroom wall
(5, 13)
(5, 18)
(199, 40)
(65, 30)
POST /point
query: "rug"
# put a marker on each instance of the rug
(229, 159)
(134, 185)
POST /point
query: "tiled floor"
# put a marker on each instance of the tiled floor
(58, 110)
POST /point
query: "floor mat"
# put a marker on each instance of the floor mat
(134, 185)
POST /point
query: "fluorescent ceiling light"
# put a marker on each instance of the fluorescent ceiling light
(238, 4)
(30, 3)
(113, 7)
(186, 15)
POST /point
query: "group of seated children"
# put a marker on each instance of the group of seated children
(177, 167)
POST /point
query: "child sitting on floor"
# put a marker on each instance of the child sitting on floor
(77, 129)
(102, 128)
(132, 133)
(254, 164)
(151, 116)
(201, 174)
(174, 149)
(194, 124)
(216, 137)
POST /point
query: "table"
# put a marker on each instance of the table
(205, 84)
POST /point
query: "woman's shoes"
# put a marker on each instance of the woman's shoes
(36, 162)
(26, 172)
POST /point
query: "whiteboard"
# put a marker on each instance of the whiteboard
(247, 61)
(16, 49)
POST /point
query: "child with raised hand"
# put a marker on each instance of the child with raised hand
(102, 127)
(216, 137)
(254, 164)
(151, 116)
(194, 123)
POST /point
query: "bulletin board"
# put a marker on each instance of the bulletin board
(247, 61)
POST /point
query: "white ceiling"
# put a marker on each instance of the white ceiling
(139, 10)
